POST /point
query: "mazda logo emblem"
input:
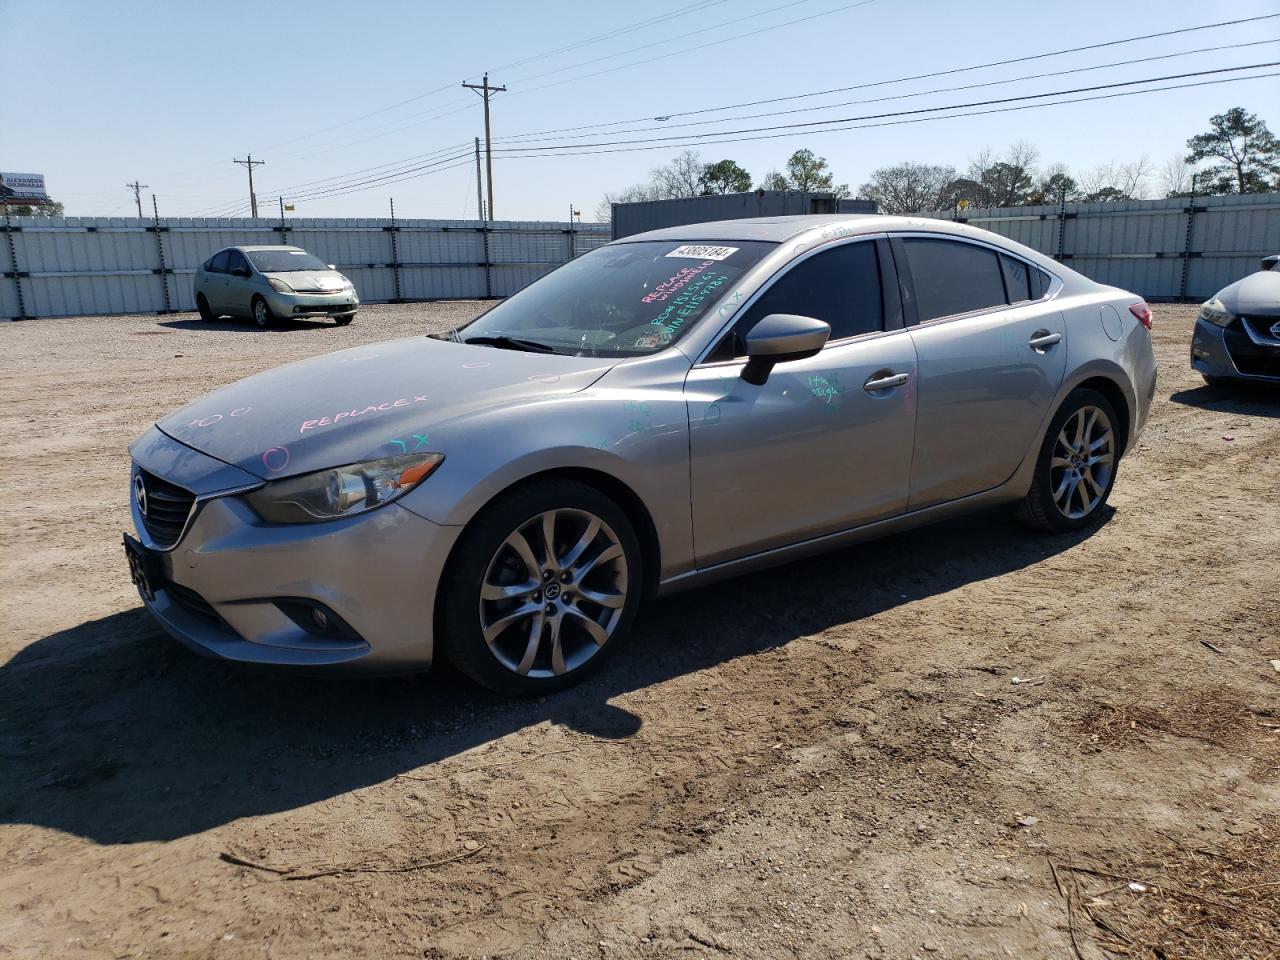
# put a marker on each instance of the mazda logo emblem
(140, 493)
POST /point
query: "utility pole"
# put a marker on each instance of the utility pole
(479, 185)
(253, 197)
(137, 189)
(485, 90)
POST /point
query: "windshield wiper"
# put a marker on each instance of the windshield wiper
(511, 343)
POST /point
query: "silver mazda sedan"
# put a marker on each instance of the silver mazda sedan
(666, 410)
(270, 283)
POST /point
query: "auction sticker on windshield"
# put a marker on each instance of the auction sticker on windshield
(697, 251)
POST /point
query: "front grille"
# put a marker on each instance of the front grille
(168, 507)
(1261, 327)
(191, 600)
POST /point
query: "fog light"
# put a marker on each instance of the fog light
(320, 619)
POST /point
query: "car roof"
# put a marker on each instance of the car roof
(254, 248)
(780, 229)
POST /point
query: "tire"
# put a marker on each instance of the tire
(345, 319)
(202, 307)
(262, 315)
(606, 563)
(1055, 503)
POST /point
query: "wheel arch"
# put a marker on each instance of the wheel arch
(621, 493)
(1116, 396)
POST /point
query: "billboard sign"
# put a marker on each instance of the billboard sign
(23, 188)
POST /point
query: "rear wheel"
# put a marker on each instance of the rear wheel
(262, 315)
(1076, 468)
(543, 587)
(202, 307)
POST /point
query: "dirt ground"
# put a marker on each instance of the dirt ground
(966, 741)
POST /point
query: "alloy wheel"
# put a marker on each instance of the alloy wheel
(1082, 462)
(553, 593)
(260, 315)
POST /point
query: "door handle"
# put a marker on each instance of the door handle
(887, 382)
(1042, 340)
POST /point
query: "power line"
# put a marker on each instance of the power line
(891, 123)
(664, 41)
(375, 181)
(958, 106)
(906, 79)
(700, 47)
(908, 96)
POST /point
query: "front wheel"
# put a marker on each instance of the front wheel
(344, 319)
(1076, 468)
(544, 585)
(202, 307)
(262, 315)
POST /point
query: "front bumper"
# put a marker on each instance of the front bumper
(228, 584)
(312, 304)
(1231, 353)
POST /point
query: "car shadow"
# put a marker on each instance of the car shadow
(1246, 397)
(230, 324)
(113, 732)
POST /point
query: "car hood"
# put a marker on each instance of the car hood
(310, 279)
(373, 401)
(1256, 295)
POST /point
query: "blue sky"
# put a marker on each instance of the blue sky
(169, 92)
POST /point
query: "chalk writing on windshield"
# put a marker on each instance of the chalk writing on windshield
(671, 286)
(687, 302)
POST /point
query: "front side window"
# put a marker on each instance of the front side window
(840, 287)
(236, 261)
(951, 277)
(285, 260)
(218, 263)
(630, 299)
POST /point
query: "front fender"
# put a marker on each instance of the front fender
(636, 433)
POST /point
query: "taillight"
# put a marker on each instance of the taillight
(1142, 312)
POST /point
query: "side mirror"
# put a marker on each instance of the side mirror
(1271, 262)
(332, 267)
(778, 338)
(240, 272)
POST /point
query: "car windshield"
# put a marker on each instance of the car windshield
(285, 260)
(628, 298)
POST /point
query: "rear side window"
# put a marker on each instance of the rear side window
(1017, 279)
(1039, 283)
(840, 286)
(218, 263)
(951, 277)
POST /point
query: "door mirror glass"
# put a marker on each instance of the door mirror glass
(781, 337)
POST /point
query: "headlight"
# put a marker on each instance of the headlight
(1214, 312)
(346, 284)
(342, 491)
(279, 285)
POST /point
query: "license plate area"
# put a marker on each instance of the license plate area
(145, 568)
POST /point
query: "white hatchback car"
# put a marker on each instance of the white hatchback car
(272, 283)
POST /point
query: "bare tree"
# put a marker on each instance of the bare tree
(773, 180)
(682, 177)
(910, 188)
(1115, 181)
(1175, 176)
(1006, 180)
